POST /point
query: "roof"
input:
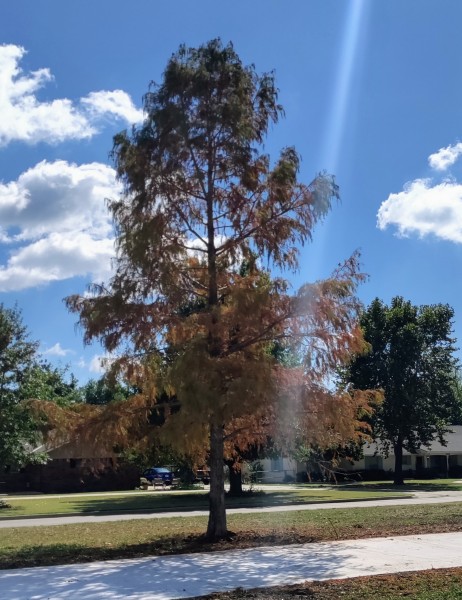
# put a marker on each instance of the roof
(74, 449)
(453, 439)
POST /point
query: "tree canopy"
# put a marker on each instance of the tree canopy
(17, 353)
(101, 392)
(412, 360)
(43, 381)
(201, 198)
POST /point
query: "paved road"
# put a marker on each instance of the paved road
(417, 498)
(188, 575)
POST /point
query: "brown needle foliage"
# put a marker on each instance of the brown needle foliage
(206, 229)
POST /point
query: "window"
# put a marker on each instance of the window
(373, 462)
(276, 464)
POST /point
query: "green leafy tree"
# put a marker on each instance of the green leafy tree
(42, 381)
(160, 456)
(412, 360)
(101, 392)
(17, 353)
(457, 419)
(201, 199)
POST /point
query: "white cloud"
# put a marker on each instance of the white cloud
(57, 350)
(445, 157)
(23, 117)
(56, 221)
(58, 197)
(100, 363)
(117, 103)
(95, 365)
(81, 363)
(57, 257)
(424, 209)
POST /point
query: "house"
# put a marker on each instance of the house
(435, 461)
(72, 467)
(281, 469)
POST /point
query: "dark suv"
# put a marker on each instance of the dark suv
(159, 473)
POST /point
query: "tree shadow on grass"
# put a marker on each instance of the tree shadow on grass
(58, 554)
(159, 502)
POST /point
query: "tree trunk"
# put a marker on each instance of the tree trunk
(216, 527)
(235, 478)
(398, 475)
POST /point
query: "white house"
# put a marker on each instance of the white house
(437, 460)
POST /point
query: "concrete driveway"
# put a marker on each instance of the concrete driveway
(189, 575)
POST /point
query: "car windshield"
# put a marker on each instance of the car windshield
(161, 470)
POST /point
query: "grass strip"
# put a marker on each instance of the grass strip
(440, 584)
(83, 542)
(173, 501)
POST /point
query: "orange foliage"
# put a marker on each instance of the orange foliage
(190, 302)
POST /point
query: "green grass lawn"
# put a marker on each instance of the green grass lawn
(59, 544)
(48, 545)
(410, 485)
(168, 501)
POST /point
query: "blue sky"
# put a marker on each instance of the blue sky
(372, 92)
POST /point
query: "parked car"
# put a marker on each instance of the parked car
(159, 473)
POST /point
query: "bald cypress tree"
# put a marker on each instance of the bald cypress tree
(202, 198)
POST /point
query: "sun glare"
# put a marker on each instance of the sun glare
(355, 26)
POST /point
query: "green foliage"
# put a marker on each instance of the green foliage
(412, 360)
(157, 456)
(24, 377)
(284, 354)
(100, 392)
(43, 384)
(17, 352)
(42, 381)
(457, 419)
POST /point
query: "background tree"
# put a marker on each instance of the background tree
(101, 392)
(412, 360)
(457, 418)
(200, 198)
(17, 353)
(42, 381)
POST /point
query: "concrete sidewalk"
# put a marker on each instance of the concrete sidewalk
(188, 575)
(417, 498)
